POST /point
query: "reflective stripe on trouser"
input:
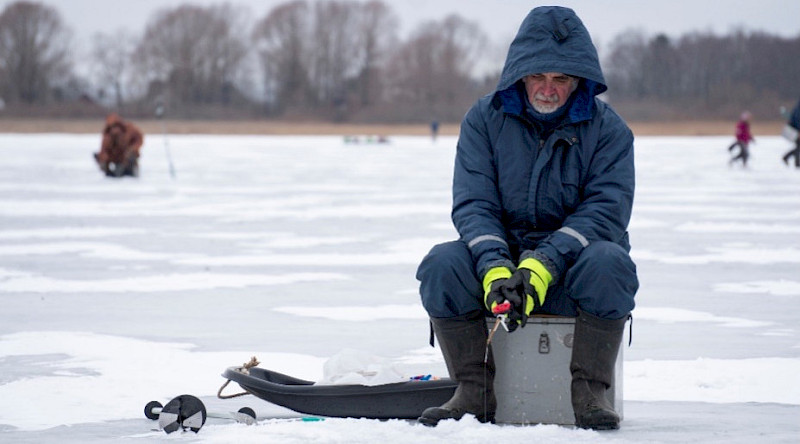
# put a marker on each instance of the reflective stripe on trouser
(602, 281)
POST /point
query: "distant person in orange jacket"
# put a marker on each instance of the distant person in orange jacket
(743, 139)
(119, 150)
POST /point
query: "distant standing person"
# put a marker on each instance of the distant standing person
(743, 139)
(794, 122)
(120, 147)
(434, 129)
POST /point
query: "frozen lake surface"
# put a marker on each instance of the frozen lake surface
(293, 249)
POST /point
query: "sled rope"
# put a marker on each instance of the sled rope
(245, 368)
(249, 364)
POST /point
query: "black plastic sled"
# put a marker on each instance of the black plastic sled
(401, 400)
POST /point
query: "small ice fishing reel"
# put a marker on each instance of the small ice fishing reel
(187, 412)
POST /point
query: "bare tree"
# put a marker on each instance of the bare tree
(227, 49)
(433, 70)
(111, 54)
(377, 34)
(194, 53)
(462, 43)
(705, 70)
(334, 50)
(327, 56)
(781, 55)
(623, 70)
(280, 40)
(34, 52)
(411, 69)
(660, 63)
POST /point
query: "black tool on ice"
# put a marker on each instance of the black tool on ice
(187, 412)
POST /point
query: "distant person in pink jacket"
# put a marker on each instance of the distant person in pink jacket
(743, 139)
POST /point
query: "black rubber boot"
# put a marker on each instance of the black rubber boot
(594, 356)
(131, 165)
(131, 168)
(463, 344)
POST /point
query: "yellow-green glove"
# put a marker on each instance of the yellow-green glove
(536, 279)
(494, 290)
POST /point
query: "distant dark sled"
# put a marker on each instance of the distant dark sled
(401, 400)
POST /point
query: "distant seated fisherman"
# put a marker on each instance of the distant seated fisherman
(542, 195)
(119, 150)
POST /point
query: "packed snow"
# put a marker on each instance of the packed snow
(302, 251)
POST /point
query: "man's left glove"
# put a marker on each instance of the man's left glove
(534, 279)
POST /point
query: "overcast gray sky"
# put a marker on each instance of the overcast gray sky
(498, 18)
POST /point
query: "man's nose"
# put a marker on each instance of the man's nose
(549, 87)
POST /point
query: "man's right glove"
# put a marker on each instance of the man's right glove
(504, 293)
(495, 292)
(535, 279)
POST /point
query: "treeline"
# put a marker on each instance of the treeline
(341, 60)
(703, 75)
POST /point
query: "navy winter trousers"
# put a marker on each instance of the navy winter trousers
(602, 282)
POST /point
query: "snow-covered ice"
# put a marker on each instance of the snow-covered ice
(298, 250)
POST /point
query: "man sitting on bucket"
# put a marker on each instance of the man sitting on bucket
(542, 195)
(120, 147)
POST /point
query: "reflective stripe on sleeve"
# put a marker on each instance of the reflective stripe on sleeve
(569, 231)
(486, 237)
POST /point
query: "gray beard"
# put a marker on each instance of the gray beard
(547, 109)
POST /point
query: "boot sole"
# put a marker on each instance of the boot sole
(428, 422)
(599, 426)
(434, 421)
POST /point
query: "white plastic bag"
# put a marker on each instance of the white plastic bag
(358, 367)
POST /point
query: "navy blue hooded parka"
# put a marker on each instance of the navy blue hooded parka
(557, 191)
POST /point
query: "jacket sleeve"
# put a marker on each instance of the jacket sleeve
(477, 209)
(605, 209)
(135, 138)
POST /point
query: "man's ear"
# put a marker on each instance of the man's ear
(575, 82)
